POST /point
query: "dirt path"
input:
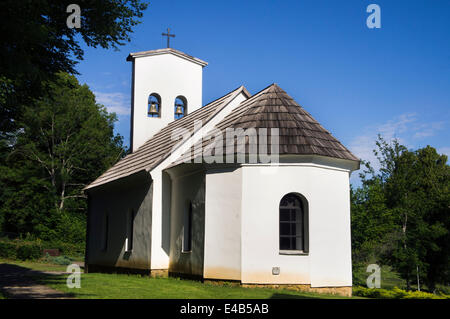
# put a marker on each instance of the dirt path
(16, 282)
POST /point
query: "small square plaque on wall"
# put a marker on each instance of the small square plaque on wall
(275, 270)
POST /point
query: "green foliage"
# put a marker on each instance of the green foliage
(8, 250)
(400, 215)
(395, 293)
(23, 250)
(389, 277)
(36, 44)
(29, 252)
(30, 249)
(66, 141)
(372, 223)
(54, 137)
(67, 248)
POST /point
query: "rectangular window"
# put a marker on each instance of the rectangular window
(291, 229)
(187, 233)
(105, 232)
(130, 230)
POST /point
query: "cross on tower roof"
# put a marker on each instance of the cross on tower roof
(168, 35)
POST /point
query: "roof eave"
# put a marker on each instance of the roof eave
(94, 185)
(177, 53)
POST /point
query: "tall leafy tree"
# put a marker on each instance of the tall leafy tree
(36, 43)
(372, 222)
(66, 140)
(411, 193)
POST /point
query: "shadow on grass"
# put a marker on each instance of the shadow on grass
(24, 283)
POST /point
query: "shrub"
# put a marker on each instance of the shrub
(32, 249)
(395, 293)
(59, 260)
(29, 251)
(8, 250)
(67, 249)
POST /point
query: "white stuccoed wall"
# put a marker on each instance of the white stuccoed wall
(327, 190)
(159, 255)
(222, 257)
(169, 76)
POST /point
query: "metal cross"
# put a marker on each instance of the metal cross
(168, 35)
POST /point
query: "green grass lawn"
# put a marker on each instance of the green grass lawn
(120, 286)
(41, 266)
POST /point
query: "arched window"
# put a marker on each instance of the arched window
(293, 224)
(180, 107)
(154, 105)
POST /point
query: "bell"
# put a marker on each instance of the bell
(153, 110)
(179, 110)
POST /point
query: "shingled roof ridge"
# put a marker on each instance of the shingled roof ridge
(324, 130)
(261, 96)
(255, 97)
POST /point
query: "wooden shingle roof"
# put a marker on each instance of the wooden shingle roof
(159, 147)
(299, 132)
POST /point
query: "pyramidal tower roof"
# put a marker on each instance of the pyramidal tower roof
(299, 132)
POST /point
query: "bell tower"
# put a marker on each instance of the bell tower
(166, 85)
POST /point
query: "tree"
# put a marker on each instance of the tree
(410, 193)
(36, 44)
(372, 222)
(432, 203)
(66, 140)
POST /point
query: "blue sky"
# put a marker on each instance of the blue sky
(357, 82)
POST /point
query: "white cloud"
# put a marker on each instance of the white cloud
(405, 128)
(428, 129)
(115, 102)
(394, 128)
(363, 145)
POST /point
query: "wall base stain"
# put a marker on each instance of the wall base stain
(92, 268)
(159, 273)
(222, 273)
(341, 291)
(185, 276)
(220, 282)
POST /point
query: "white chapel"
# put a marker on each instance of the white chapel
(247, 188)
